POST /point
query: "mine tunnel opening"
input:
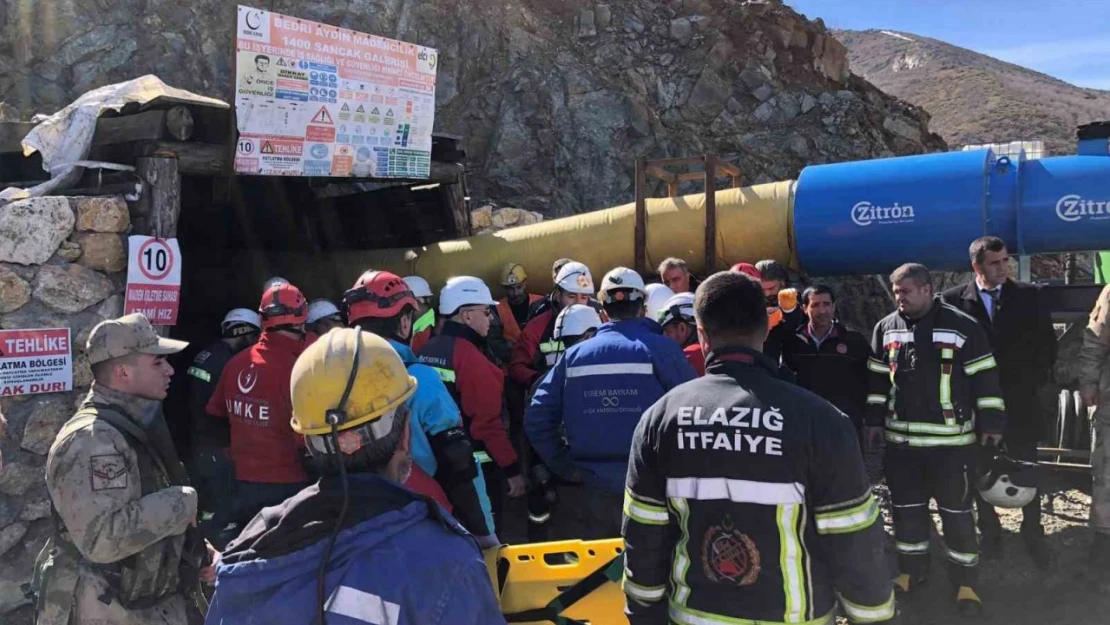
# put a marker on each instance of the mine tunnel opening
(234, 232)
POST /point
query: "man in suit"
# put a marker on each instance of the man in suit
(1019, 328)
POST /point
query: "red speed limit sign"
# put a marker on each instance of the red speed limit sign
(154, 279)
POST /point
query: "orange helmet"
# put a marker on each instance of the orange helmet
(747, 269)
(282, 305)
(377, 294)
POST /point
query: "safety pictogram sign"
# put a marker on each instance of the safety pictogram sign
(153, 279)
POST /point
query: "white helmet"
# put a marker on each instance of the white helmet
(575, 320)
(678, 308)
(241, 316)
(621, 279)
(575, 277)
(273, 281)
(320, 308)
(1008, 483)
(657, 296)
(464, 291)
(418, 286)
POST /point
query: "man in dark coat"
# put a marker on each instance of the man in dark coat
(1019, 328)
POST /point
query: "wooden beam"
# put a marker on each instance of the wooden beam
(685, 160)
(159, 206)
(729, 169)
(660, 173)
(453, 198)
(640, 239)
(194, 159)
(693, 175)
(710, 214)
(147, 126)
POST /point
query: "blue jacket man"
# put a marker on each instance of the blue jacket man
(583, 414)
(398, 555)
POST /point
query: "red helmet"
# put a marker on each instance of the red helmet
(747, 269)
(283, 305)
(377, 294)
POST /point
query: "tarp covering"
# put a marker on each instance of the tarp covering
(65, 137)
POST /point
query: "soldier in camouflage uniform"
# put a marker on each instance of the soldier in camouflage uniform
(1094, 386)
(125, 549)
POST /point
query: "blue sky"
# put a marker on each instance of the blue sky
(1068, 39)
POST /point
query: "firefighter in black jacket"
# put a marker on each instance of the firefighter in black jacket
(934, 385)
(828, 358)
(747, 500)
(1024, 343)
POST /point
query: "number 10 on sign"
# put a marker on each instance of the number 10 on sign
(154, 279)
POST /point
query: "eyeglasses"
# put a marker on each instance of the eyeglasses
(480, 309)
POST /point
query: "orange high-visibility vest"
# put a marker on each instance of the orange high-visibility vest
(510, 328)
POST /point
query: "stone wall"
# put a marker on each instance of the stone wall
(63, 264)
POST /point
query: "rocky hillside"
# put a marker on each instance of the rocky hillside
(555, 100)
(974, 98)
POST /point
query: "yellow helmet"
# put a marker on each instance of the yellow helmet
(513, 274)
(354, 374)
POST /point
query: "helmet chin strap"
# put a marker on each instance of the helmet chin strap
(336, 417)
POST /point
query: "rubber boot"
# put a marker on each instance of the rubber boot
(904, 584)
(968, 602)
(1037, 548)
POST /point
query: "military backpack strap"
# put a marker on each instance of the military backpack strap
(609, 572)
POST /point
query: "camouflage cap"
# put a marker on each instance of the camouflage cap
(130, 334)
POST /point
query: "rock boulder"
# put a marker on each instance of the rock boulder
(31, 230)
(70, 288)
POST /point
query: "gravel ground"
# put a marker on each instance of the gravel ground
(1013, 589)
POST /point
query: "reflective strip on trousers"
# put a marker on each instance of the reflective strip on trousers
(868, 614)
(648, 594)
(918, 427)
(912, 548)
(739, 491)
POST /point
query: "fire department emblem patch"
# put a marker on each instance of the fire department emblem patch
(842, 349)
(583, 281)
(729, 556)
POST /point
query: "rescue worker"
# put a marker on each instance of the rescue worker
(575, 324)
(596, 393)
(323, 316)
(381, 303)
(934, 383)
(211, 469)
(657, 297)
(1094, 387)
(1024, 344)
(354, 547)
(675, 274)
(253, 395)
(747, 500)
(513, 308)
(475, 383)
(782, 306)
(125, 548)
(535, 351)
(677, 319)
(828, 358)
(425, 324)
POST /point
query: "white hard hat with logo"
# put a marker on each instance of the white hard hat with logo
(617, 282)
(657, 296)
(464, 291)
(418, 286)
(574, 277)
(240, 316)
(321, 308)
(678, 308)
(575, 320)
